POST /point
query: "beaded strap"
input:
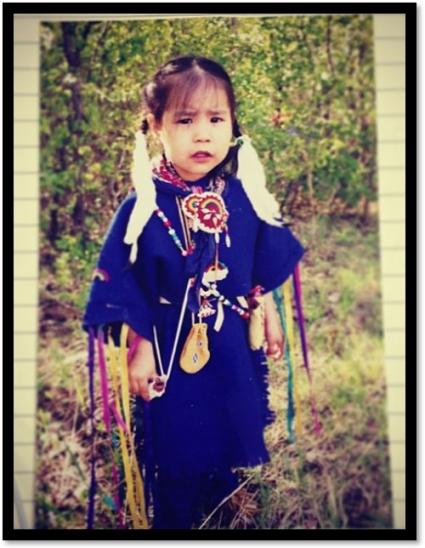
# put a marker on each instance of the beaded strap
(243, 313)
(167, 223)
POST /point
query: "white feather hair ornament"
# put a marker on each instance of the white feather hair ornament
(141, 174)
(251, 174)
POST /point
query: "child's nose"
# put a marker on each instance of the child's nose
(202, 131)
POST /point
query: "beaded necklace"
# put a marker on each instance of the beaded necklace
(167, 223)
(189, 250)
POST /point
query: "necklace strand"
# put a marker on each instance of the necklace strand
(190, 248)
(167, 223)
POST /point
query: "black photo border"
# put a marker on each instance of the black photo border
(409, 10)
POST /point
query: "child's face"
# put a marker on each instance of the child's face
(197, 138)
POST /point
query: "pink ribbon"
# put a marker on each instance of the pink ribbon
(133, 347)
(107, 419)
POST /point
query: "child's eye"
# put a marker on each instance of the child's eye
(184, 121)
(216, 119)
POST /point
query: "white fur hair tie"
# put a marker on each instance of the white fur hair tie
(145, 205)
(253, 178)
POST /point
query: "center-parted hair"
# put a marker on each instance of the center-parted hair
(176, 81)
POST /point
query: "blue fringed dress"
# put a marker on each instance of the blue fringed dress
(207, 422)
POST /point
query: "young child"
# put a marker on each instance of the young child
(189, 263)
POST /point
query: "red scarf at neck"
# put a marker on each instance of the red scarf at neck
(164, 170)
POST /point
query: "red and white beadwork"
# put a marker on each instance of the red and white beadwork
(207, 210)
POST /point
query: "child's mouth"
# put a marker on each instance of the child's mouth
(201, 155)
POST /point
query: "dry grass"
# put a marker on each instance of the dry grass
(337, 479)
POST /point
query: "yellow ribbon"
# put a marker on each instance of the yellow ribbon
(124, 451)
(290, 328)
(133, 477)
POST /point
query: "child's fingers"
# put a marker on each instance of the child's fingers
(144, 391)
(275, 351)
(139, 387)
(144, 388)
(271, 350)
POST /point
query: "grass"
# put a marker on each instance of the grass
(338, 479)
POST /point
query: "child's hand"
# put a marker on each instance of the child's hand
(275, 341)
(141, 370)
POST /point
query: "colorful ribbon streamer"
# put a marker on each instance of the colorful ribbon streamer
(286, 288)
(92, 488)
(122, 427)
(103, 379)
(300, 316)
(277, 295)
(133, 477)
(106, 404)
(135, 490)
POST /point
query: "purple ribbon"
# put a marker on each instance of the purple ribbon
(92, 489)
(133, 347)
(301, 323)
(107, 418)
(103, 379)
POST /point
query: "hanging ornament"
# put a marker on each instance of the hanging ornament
(227, 238)
(211, 291)
(215, 272)
(195, 353)
(220, 316)
(206, 309)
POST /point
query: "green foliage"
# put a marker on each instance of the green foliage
(304, 89)
(75, 261)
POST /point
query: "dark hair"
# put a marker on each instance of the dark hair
(176, 81)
